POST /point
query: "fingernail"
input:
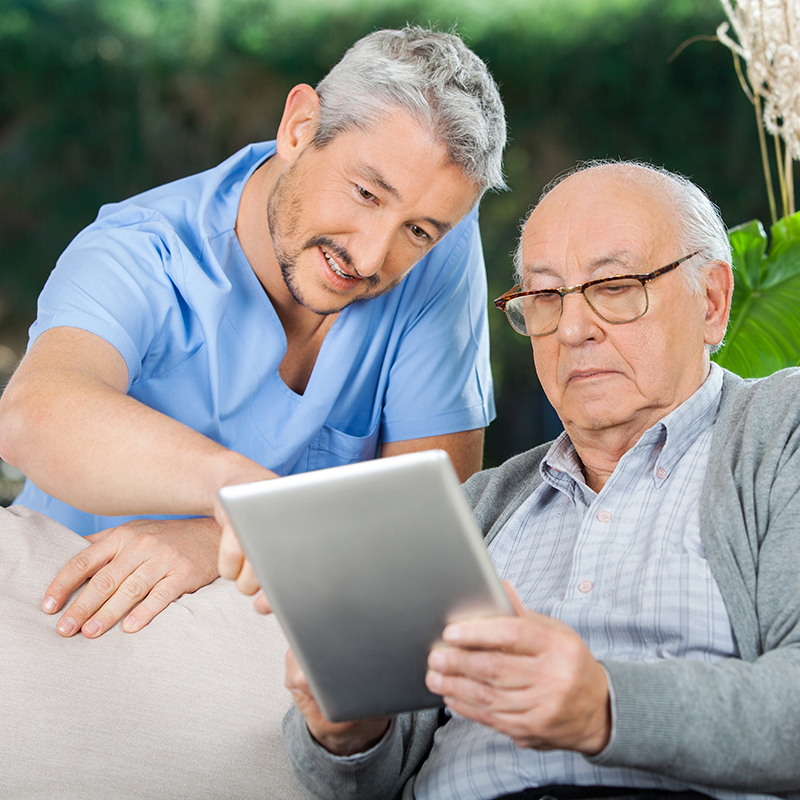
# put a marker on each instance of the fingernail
(66, 626)
(436, 660)
(128, 624)
(433, 680)
(49, 605)
(92, 627)
(452, 633)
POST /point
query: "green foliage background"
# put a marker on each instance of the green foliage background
(100, 99)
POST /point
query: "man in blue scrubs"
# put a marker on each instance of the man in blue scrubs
(261, 318)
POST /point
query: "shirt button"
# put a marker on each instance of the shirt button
(662, 473)
(604, 516)
(585, 586)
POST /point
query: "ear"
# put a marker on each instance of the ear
(718, 294)
(298, 123)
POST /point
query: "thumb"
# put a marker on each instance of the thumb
(261, 604)
(516, 603)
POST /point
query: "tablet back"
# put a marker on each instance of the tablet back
(364, 565)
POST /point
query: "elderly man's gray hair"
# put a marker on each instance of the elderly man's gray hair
(432, 75)
(697, 223)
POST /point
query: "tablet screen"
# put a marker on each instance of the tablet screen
(364, 565)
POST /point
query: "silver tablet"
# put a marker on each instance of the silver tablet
(364, 565)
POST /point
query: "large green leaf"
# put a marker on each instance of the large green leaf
(764, 330)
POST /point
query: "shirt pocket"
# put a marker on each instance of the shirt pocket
(332, 448)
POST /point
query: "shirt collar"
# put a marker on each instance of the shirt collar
(673, 434)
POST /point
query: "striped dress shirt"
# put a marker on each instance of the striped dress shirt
(624, 567)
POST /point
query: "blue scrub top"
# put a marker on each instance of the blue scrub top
(162, 278)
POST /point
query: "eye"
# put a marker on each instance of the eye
(616, 288)
(365, 193)
(419, 233)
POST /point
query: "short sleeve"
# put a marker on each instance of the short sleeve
(120, 282)
(440, 380)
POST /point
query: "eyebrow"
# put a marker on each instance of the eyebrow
(621, 258)
(373, 176)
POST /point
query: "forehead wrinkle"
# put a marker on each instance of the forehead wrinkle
(623, 261)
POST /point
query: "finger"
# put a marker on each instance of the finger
(231, 557)
(137, 589)
(158, 598)
(491, 633)
(521, 724)
(80, 567)
(500, 670)
(516, 603)
(99, 536)
(247, 583)
(261, 604)
(481, 700)
(466, 694)
(110, 593)
(539, 716)
(528, 634)
(295, 677)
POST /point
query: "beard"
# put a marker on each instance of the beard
(284, 209)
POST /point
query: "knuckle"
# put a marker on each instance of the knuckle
(572, 647)
(485, 695)
(104, 582)
(134, 588)
(491, 666)
(80, 611)
(80, 562)
(162, 595)
(498, 666)
(143, 541)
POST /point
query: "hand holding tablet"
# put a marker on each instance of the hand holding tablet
(364, 565)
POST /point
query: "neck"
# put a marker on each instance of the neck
(600, 448)
(600, 451)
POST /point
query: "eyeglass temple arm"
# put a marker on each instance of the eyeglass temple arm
(504, 298)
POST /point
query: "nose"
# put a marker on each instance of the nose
(373, 249)
(578, 322)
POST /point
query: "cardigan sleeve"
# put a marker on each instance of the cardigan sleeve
(377, 774)
(734, 723)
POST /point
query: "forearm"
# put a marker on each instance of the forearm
(731, 724)
(465, 449)
(85, 442)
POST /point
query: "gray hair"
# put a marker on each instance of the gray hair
(697, 222)
(436, 78)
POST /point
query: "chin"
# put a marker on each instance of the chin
(599, 415)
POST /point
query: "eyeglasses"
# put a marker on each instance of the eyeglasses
(616, 300)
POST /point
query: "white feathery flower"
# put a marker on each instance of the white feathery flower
(768, 38)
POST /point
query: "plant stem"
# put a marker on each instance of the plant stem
(762, 140)
(790, 181)
(779, 160)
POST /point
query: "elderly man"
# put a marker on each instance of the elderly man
(259, 319)
(652, 546)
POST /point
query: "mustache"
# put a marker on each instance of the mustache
(341, 253)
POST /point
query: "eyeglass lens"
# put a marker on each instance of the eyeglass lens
(617, 301)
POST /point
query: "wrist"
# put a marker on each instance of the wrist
(230, 468)
(601, 725)
(351, 738)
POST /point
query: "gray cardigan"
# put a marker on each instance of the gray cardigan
(732, 724)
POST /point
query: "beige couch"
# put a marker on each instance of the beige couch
(188, 708)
